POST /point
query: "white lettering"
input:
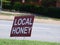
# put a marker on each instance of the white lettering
(15, 22)
(19, 21)
(21, 30)
(24, 21)
(13, 31)
(30, 21)
(28, 28)
(27, 21)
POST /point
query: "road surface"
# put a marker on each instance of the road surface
(40, 31)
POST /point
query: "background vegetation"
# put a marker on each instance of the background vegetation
(48, 8)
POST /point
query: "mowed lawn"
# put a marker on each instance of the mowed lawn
(25, 42)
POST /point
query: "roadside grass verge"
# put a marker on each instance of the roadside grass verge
(25, 42)
(10, 14)
(38, 17)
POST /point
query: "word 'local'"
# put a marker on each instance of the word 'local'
(23, 21)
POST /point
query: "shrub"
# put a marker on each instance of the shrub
(6, 5)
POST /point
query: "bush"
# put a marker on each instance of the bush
(6, 5)
(53, 12)
(17, 6)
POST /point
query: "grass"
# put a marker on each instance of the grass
(25, 42)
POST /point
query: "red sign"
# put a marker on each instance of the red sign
(22, 26)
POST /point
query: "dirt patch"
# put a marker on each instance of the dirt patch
(5, 17)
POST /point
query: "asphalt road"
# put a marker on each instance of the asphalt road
(40, 31)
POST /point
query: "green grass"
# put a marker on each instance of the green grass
(25, 42)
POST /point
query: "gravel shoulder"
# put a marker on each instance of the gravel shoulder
(38, 20)
(3, 16)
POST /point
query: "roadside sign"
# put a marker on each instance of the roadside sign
(22, 26)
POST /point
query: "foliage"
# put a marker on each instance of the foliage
(45, 11)
(6, 5)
